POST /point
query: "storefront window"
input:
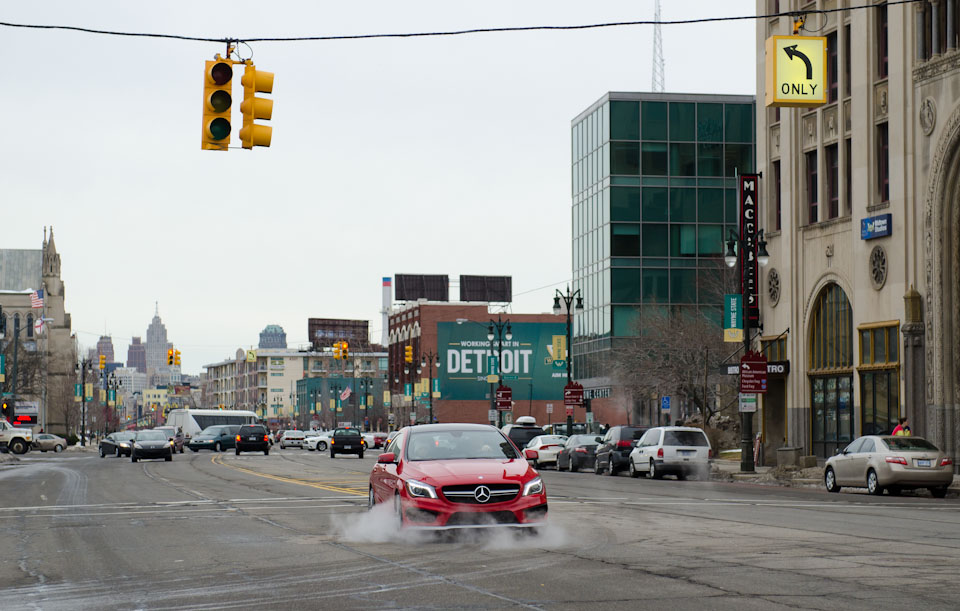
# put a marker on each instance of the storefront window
(879, 377)
(830, 368)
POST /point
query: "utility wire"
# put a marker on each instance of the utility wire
(533, 28)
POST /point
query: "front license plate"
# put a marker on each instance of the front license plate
(347, 447)
(923, 463)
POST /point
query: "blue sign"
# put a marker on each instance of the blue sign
(876, 226)
(665, 404)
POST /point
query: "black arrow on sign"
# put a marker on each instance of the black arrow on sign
(792, 52)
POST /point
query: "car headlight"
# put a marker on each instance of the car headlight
(171, 442)
(124, 445)
(534, 486)
(415, 488)
(137, 445)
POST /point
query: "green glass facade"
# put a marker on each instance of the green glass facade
(654, 197)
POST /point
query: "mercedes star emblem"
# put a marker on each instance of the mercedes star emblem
(482, 494)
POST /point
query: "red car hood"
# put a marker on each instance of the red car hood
(469, 471)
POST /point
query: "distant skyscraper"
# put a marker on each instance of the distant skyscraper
(137, 355)
(105, 347)
(273, 337)
(157, 344)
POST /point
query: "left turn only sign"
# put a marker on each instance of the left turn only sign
(796, 71)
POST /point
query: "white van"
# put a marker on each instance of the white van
(192, 421)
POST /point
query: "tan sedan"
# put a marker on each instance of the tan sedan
(46, 441)
(882, 462)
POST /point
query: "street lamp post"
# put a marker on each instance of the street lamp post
(430, 360)
(500, 329)
(84, 367)
(758, 253)
(568, 300)
(111, 383)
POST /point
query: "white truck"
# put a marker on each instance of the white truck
(13, 439)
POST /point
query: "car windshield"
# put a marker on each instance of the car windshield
(252, 430)
(167, 432)
(582, 440)
(124, 436)
(909, 443)
(211, 430)
(151, 436)
(632, 433)
(546, 440)
(684, 438)
(346, 432)
(521, 435)
(453, 445)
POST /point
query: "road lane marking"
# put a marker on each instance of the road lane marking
(217, 460)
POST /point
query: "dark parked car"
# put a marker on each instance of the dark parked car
(151, 444)
(117, 444)
(174, 435)
(578, 452)
(253, 438)
(347, 440)
(218, 438)
(613, 453)
(522, 431)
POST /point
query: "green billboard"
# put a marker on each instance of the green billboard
(527, 358)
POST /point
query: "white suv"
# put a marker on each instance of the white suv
(677, 450)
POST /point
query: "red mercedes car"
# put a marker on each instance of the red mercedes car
(446, 476)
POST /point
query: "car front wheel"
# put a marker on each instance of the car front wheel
(371, 499)
(632, 468)
(830, 480)
(321, 446)
(596, 466)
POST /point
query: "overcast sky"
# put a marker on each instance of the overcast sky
(446, 155)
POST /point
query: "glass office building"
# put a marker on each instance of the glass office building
(654, 198)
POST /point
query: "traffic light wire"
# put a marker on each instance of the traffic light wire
(533, 28)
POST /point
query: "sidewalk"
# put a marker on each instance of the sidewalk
(792, 477)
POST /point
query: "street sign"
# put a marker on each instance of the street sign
(413, 417)
(504, 397)
(549, 408)
(492, 415)
(493, 378)
(733, 318)
(570, 410)
(665, 404)
(492, 364)
(511, 377)
(573, 394)
(773, 368)
(753, 373)
(748, 402)
(589, 417)
(796, 71)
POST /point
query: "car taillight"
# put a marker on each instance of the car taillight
(710, 453)
(265, 438)
(581, 450)
(946, 461)
(899, 460)
(624, 444)
(660, 453)
(238, 437)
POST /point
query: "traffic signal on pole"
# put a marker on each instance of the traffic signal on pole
(408, 354)
(7, 410)
(344, 350)
(176, 357)
(170, 356)
(336, 350)
(217, 102)
(103, 362)
(256, 81)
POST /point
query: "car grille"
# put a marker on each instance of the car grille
(468, 493)
(474, 518)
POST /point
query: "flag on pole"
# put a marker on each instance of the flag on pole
(38, 326)
(36, 299)
(345, 394)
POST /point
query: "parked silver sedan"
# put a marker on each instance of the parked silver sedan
(881, 462)
(46, 441)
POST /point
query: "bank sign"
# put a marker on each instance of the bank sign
(527, 359)
(876, 226)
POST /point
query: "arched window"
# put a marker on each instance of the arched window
(830, 369)
(29, 325)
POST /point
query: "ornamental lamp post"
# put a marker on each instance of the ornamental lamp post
(759, 254)
(432, 360)
(500, 329)
(568, 300)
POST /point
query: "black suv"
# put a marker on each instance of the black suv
(613, 453)
(347, 440)
(253, 438)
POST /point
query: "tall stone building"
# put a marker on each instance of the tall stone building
(137, 355)
(105, 347)
(859, 202)
(157, 345)
(47, 352)
(273, 336)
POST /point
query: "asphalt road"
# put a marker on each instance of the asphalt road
(291, 531)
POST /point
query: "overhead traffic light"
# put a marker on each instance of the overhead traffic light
(336, 350)
(408, 354)
(217, 102)
(256, 81)
(170, 356)
(344, 350)
(176, 358)
(103, 362)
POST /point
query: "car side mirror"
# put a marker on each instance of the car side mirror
(387, 457)
(599, 439)
(531, 454)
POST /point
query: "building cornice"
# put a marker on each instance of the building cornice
(933, 68)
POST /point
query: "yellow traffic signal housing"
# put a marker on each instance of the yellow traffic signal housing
(336, 350)
(103, 362)
(170, 356)
(256, 81)
(176, 357)
(217, 102)
(408, 354)
(345, 350)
